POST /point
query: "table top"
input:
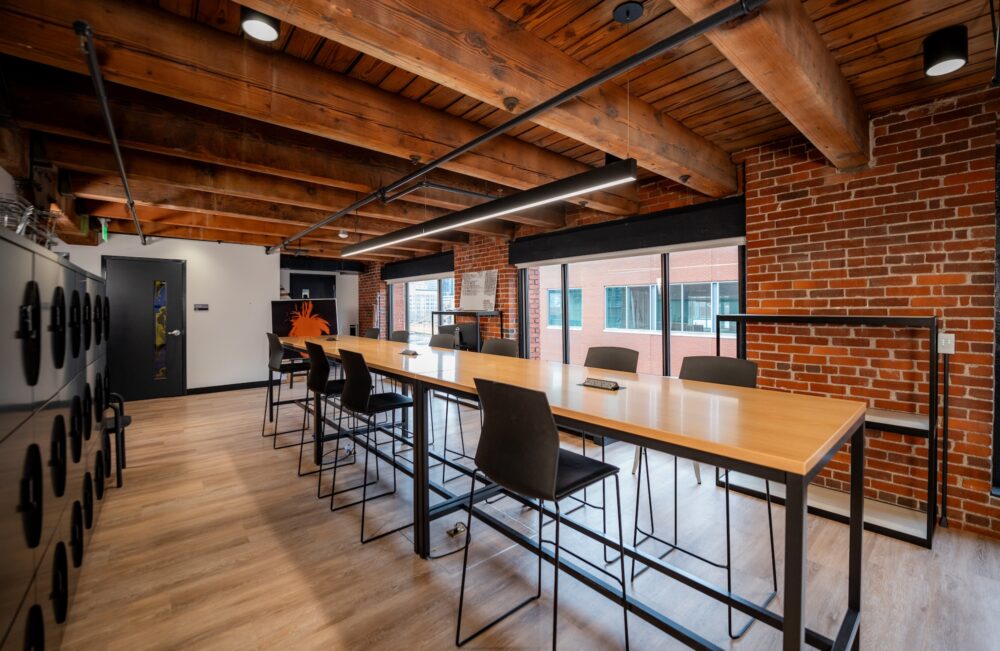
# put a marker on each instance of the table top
(784, 431)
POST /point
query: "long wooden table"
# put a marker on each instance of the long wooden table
(773, 435)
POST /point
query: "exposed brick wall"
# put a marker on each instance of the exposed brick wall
(370, 289)
(910, 234)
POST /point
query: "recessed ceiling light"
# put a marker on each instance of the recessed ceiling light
(343, 234)
(259, 26)
(946, 50)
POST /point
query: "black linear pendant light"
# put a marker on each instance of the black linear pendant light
(946, 50)
(600, 178)
(259, 26)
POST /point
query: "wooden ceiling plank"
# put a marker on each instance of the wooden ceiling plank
(193, 62)
(781, 52)
(503, 60)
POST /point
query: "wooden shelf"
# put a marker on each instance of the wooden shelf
(911, 524)
(901, 422)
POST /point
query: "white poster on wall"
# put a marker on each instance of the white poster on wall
(479, 291)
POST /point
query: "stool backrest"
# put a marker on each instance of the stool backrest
(443, 340)
(720, 370)
(612, 358)
(505, 347)
(400, 336)
(519, 442)
(319, 368)
(372, 333)
(357, 381)
(275, 352)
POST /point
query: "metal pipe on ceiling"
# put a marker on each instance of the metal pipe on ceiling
(737, 10)
(86, 34)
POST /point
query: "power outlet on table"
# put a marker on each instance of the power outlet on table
(946, 343)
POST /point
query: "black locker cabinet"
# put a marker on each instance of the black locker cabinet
(19, 524)
(16, 348)
(53, 461)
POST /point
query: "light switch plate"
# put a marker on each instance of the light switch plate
(946, 343)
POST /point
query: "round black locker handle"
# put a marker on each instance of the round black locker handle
(76, 429)
(57, 456)
(76, 534)
(57, 327)
(98, 320)
(30, 505)
(88, 501)
(74, 323)
(34, 630)
(99, 475)
(29, 332)
(88, 411)
(60, 583)
(86, 321)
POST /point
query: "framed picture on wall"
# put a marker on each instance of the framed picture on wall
(304, 317)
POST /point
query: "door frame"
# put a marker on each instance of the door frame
(183, 264)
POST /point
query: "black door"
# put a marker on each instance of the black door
(146, 350)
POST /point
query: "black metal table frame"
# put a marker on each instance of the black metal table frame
(791, 623)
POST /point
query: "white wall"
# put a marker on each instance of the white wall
(226, 344)
(347, 295)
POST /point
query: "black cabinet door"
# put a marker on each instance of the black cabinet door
(147, 339)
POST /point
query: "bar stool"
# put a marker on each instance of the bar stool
(357, 397)
(278, 362)
(502, 347)
(608, 358)
(519, 450)
(400, 336)
(323, 390)
(372, 333)
(717, 370)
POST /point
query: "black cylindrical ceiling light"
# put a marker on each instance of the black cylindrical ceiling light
(946, 50)
(259, 26)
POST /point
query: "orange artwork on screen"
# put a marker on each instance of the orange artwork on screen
(307, 324)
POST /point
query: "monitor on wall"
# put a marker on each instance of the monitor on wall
(304, 317)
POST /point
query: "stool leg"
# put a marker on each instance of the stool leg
(621, 556)
(636, 460)
(268, 414)
(277, 413)
(555, 582)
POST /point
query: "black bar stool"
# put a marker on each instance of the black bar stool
(502, 347)
(372, 333)
(519, 450)
(400, 336)
(717, 370)
(609, 358)
(323, 390)
(357, 397)
(278, 361)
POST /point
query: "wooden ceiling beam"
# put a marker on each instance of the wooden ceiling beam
(469, 47)
(151, 49)
(159, 215)
(211, 137)
(151, 193)
(782, 54)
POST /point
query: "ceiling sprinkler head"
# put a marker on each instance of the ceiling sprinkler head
(343, 234)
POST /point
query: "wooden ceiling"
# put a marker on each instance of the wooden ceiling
(190, 188)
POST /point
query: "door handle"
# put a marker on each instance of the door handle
(174, 333)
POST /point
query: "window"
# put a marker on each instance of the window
(412, 303)
(575, 307)
(693, 306)
(635, 307)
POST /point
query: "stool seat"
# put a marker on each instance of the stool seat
(577, 471)
(294, 365)
(380, 402)
(334, 388)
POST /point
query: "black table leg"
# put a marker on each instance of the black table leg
(421, 479)
(857, 526)
(795, 562)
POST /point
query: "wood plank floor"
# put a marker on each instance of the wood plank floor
(214, 543)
